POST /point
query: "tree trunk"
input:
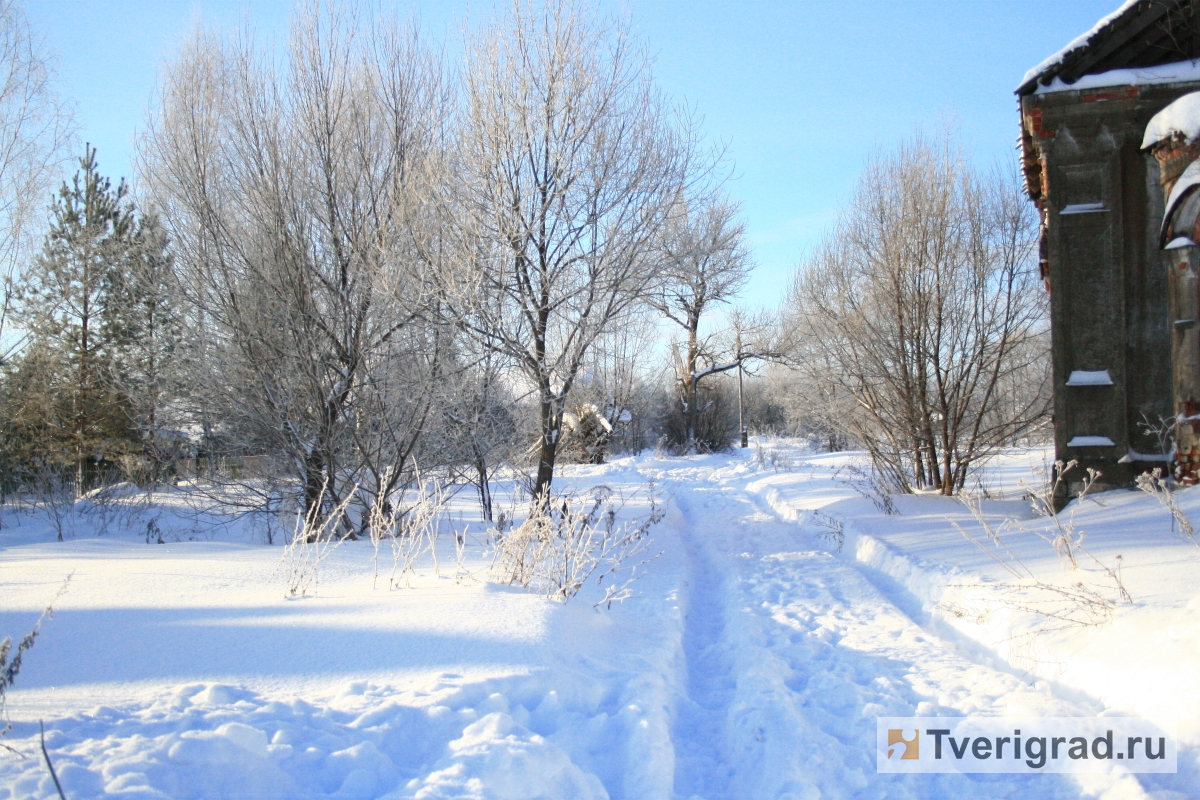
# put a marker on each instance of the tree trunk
(551, 424)
(314, 485)
(485, 489)
(79, 490)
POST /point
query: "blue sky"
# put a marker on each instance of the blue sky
(801, 92)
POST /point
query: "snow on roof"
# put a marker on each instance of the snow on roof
(1176, 72)
(1181, 116)
(1075, 44)
(1189, 178)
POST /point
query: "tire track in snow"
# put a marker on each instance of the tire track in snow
(791, 654)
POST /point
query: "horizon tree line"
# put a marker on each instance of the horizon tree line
(355, 262)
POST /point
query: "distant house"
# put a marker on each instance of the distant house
(1102, 162)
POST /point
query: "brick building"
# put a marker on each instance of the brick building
(1125, 335)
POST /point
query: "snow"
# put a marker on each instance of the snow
(751, 662)
(1187, 181)
(1082, 377)
(1134, 456)
(1178, 72)
(1181, 117)
(1090, 441)
(503, 758)
(1083, 208)
(1075, 44)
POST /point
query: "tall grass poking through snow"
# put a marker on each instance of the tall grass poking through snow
(10, 661)
(1070, 605)
(1066, 538)
(1074, 604)
(1160, 487)
(567, 540)
(868, 484)
(558, 547)
(410, 529)
(315, 536)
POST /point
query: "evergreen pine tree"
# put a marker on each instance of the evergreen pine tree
(70, 305)
(33, 441)
(140, 320)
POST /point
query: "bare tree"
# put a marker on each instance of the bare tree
(706, 264)
(479, 431)
(923, 308)
(811, 405)
(568, 161)
(617, 377)
(297, 196)
(35, 127)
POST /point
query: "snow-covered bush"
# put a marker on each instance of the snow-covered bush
(566, 540)
(410, 528)
(586, 434)
(53, 496)
(119, 506)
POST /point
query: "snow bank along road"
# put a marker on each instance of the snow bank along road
(751, 663)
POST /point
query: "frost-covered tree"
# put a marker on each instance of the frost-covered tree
(618, 380)
(923, 312)
(35, 126)
(705, 264)
(142, 318)
(568, 160)
(479, 420)
(34, 436)
(295, 191)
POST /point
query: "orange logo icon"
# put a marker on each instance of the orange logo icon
(912, 747)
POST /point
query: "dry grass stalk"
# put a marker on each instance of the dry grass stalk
(11, 667)
(315, 536)
(414, 529)
(566, 541)
(1161, 488)
(1059, 606)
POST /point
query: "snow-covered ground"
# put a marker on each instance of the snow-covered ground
(751, 662)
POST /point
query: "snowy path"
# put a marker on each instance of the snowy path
(792, 652)
(751, 662)
(699, 729)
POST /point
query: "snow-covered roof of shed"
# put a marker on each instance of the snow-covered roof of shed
(1137, 35)
(1181, 117)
